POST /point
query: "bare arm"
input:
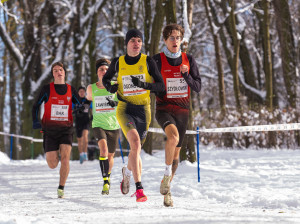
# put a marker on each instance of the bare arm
(89, 95)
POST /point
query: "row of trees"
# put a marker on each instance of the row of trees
(247, 52)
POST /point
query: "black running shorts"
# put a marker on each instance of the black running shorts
(52, 141)
(80, 128)
(173, 114)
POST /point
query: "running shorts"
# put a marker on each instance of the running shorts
(111, 137)
(173, 114)
(131, 116)
(52, 141)
(80, 127)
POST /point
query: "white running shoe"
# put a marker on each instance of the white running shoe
(165, 185)
(125, 184)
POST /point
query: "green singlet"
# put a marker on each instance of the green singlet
(104, 116)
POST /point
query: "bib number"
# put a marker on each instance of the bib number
(131, 90)
(176, 88)
(101, 104)
(59, 112)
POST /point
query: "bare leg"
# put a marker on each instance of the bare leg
(80, 146)
(172, 141)
(103, 148)
(175, 161)
(52, 159)
(111, 161)
(85, 136)
(65, 152)
(134, 160)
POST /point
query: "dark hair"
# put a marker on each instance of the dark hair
(81, 87)
(169, 28)
(102, 61)
(58, 63)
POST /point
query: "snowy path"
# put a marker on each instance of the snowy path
(236, 187)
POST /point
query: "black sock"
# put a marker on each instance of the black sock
(61, 187)
(138, 185)
(104, 166)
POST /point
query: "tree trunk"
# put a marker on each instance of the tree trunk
(246, 62)
(267, 56)
(236, 44)
(170, 8)
(13, 107)
(154, 43)
(147, 25)
(78, 51)
(2, 101)
(287, 47)
(187, 151)
(222, 94)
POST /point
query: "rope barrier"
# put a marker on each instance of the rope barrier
(254, 128)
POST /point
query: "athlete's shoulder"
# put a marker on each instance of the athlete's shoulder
(190, 57)
(157, 58)
(72, 87)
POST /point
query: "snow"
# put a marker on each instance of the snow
(237, 186)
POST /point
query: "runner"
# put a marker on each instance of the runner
(105, 124)
(180, 74)
(82, 125)
(135, 75)
(57, 122)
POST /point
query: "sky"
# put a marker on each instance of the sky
(236, 186)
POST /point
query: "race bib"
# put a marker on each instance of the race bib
(131, 90)
(59, 112)
(101, 104)
(176, 88)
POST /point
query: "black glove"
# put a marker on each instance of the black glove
(36, 125)
(111, 103)
(113, 88)
(137, 82)
(79, 109)
(184, 74)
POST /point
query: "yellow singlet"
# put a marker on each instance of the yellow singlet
(127, 90)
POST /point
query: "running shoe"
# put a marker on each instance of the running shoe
(168, 201)
(81, 158)
(140, 196)
(85, 157)
(60, 193)
(105, 189)
(165, 185)
(125, 184)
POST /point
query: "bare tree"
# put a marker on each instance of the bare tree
(287, 48)
(221, 85)
(157, 25)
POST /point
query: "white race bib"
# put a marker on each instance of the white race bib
(59, 112)
(101, 104)
(131, 90)
(176, 88)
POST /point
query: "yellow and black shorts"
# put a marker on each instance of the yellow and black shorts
(131, 116)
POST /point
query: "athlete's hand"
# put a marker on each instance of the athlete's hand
(111, 102)
(184, 69)
(80, 108)
(137, 82)
(113, 88)
(36, 125)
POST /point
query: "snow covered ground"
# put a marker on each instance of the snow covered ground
(237, 186)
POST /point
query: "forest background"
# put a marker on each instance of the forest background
(247, 54)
